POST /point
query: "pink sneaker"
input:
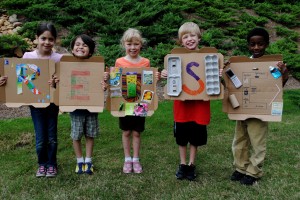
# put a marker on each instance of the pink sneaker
(137, 167)
(127, 168)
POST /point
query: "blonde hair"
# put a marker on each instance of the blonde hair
(130, 35)
(188, 27)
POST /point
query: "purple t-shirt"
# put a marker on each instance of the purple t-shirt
(33, 55)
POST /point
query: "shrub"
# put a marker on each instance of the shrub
(287, 33)
(9, 43)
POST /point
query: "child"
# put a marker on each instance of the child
(132, 41)
(45, 119)
(252, 132)
(191, 116)
(83, 122)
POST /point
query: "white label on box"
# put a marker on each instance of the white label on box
(277, 108)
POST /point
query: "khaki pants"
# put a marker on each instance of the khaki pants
(250, 133)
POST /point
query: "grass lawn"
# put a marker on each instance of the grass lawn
(160, 159)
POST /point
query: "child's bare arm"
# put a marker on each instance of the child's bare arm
(284, 71)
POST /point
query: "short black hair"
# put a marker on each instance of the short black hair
(87, 40)
(46, 26)
(259, 32)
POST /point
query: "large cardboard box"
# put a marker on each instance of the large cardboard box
(260, 95)
(27, 82)
(132, 92)
(193, 75)
(79, 84)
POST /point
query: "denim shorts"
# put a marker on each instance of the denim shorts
(87, 125)
(190, 132)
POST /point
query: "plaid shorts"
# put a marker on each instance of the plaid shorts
(84, 125)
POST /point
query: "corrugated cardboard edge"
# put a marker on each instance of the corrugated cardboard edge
(238, 59)
(36, 105)
(95, 109)
(265, 58)
(261, 117)
(2, 88)
(182, 50)
(71, 58)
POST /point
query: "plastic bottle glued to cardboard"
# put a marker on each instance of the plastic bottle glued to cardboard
(275, 72)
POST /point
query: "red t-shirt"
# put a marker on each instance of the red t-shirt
(192, 111)
(122, 62)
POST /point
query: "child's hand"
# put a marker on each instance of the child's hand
(52, 82)
(104, 85)
(282, 67)
(157, 75)
(106, 76)
(284, 71)
(164, 73)
(3, 80)
(221, 72)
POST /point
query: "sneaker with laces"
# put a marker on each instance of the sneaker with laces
(248, 180)
(51, 172)
(137, 167)
(79, 168)
(191, 172)
(41, 172)
(127, 167)
(236, 176)
(181, 172)
(88, 168)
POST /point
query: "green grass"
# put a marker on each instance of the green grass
(159, 156)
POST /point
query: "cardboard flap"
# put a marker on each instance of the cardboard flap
(198, 77)
(260, 95)
(180, 50)
(27, 82)
(143, 101)
(80, 84)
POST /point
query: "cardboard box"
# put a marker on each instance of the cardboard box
(27, 82)
(199, 74)
(79, 84)
(132, 92)
(260, 95)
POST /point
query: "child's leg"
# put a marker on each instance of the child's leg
(182, 154)
(77, 148)
(89, 144)
(127, 167)
(126, 143)
(193, 153)
(136, 142)
(240, 147)
(257, 131)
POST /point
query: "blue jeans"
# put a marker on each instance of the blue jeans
(45, 127)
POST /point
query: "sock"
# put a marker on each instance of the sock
(80, 160)
(88, 160)
(136, 159)
(128, 159)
